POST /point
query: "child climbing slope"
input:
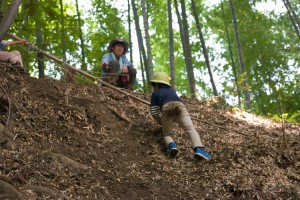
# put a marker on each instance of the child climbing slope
(166, 108)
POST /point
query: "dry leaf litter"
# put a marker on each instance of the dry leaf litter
(73, 141)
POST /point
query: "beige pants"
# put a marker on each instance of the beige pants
(176, 112)
(12, 57)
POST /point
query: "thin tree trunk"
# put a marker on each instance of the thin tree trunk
(23, 23)
(39, 42)
(199, 27)
(40, 56)
(241, 58)
(63, 35)
(140, 39)
(129, 31)
(1, 9)
(188, 56)
(143, 72)
(171, 46)
(83, 64)
(23, 12)
(293, 17)
(232, 60)
(180, 26)
(147, 38)
(9, 17)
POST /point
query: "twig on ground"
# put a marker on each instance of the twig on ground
(122, 116)
(222, 127)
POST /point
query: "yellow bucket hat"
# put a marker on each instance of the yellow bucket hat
(161, 77)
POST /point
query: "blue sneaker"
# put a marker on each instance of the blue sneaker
(173, 151)
(200, 154)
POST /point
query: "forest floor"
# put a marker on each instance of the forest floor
(75, 141)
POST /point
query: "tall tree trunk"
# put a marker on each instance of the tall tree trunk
(63, 35)
(199, 28)
(232, 60)
(83, 63)
(171, 46)
(40, 56)
(187, 47)
(140, 39)
(180, 26)
(293, 17)
(39, 42)
(1, 9)
(241, 58)
(143, 72)
(147, 38)
(129, 31)
(25, 22)
(9, 17)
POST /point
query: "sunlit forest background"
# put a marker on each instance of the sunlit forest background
(247, 52)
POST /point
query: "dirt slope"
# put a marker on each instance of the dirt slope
(61, 141)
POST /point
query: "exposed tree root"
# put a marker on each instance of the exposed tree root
(67, 161)
(8, 191)
(41, 189)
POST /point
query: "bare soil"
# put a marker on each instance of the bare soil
(83, 141)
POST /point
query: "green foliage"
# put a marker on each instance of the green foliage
(295, 118)
(269, 46)
(266, 50)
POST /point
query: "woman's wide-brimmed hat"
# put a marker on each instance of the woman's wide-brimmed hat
(161, 77)
(118, 41)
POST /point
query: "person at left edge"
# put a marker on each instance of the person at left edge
(14, 57)
(116, 69)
